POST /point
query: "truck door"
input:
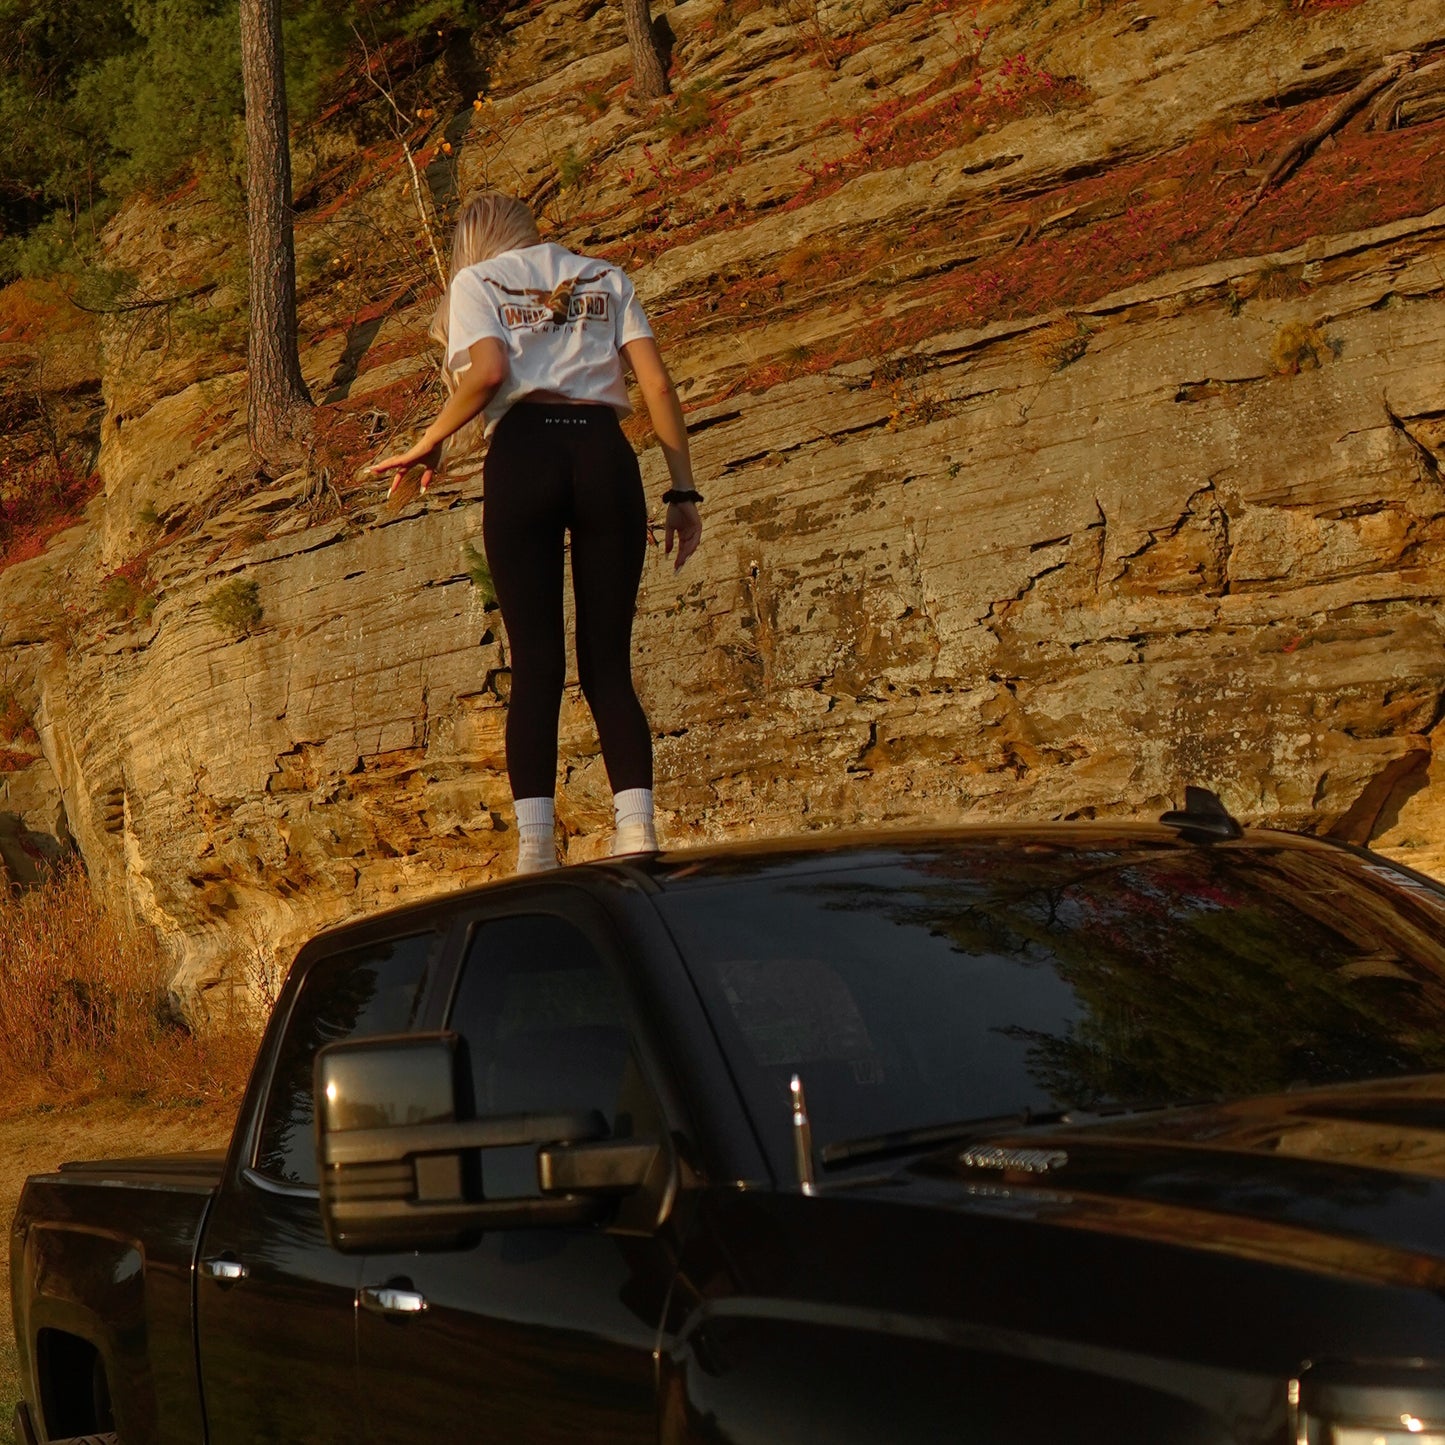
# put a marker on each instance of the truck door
(274, 1303)
(534, 1336)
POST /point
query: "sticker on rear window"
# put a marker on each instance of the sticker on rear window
(794, 1011)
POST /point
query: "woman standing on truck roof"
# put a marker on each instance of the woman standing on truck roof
(535, 338)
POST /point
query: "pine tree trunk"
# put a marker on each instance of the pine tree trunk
(276, 394)
(649, 80)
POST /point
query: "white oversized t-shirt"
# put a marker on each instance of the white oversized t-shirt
(561, 317)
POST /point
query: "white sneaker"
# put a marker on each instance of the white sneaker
(638, 837)
(536, 855)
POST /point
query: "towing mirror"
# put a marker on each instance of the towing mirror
(400, 1171)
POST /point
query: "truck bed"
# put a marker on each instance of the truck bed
(102, 1253)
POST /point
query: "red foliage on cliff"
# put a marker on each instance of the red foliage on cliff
(39, 500)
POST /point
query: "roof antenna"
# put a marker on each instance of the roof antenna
(802, 1137)
(1204, 818)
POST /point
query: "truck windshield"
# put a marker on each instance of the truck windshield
(1000, 976)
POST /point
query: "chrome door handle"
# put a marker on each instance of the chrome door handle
(228, 1271)
(387, 1299)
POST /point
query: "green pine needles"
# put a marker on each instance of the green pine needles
(99, 100)
(235, 607)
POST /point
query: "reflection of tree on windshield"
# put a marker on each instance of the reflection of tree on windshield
(1198, 972)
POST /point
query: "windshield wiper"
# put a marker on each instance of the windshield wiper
(909, 1141)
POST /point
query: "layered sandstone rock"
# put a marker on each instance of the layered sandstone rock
(1041, 563)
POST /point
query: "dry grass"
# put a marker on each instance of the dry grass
(1062, 344)
(93, 1062)
(84, 1011)
(34, 1141)
(1298, 347)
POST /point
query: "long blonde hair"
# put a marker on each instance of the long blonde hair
(490, 223)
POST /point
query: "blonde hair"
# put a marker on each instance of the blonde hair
(490, 223)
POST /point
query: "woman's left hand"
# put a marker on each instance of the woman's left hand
(685, 527)
(429, 458)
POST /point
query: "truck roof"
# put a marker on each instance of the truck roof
(811, 853)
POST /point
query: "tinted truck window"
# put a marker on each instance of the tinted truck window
(372, 990)
(989, 978)
(541, 1017)
(544, 1024)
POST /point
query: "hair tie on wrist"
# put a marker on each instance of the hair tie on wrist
(674, 495)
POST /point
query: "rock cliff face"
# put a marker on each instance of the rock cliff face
(1056, 455)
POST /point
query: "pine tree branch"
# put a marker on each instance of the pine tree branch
(146, 305)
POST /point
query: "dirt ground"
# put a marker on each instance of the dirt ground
(36, 1138)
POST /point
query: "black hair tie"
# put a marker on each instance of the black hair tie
(674, 495)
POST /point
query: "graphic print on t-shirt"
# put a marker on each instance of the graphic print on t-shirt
(563, 320)
(535, 309)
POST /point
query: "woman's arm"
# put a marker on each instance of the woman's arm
(476, 386)
(665, 411)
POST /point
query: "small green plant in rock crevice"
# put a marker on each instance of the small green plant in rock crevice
(594, 102)
(481, 575)
(572, 168)
(126, 598)
(691, 110)
(235, 607)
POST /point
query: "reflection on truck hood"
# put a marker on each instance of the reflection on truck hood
(201, 1169)
(1345, 1180)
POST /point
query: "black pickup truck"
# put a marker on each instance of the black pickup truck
(1079, 1133)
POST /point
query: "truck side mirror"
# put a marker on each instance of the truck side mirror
(398, 1168)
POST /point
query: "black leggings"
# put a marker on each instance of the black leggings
(551, 469)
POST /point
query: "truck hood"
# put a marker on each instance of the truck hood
(199, 1170)
(1348, 1180)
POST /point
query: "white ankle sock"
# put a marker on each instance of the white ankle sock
(633, 805)
(534, 819)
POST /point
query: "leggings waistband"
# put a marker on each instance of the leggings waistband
(558, 413)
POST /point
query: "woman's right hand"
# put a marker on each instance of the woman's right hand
(685, 526)
(429, 457)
